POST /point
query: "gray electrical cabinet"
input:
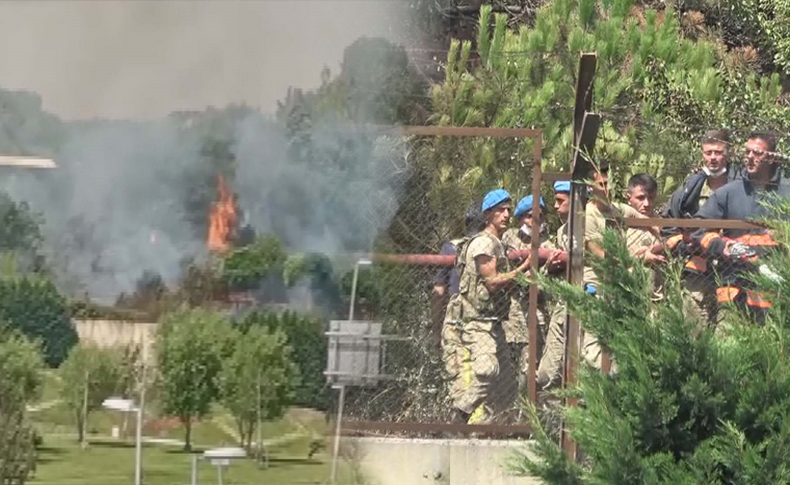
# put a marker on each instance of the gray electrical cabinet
(354, 353)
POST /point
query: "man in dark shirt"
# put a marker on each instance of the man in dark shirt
(446, 281)
(742, 200)
(716, 171)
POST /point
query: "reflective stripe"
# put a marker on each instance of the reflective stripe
(674, 241)
(468, 373)
(708, 238)
(755, 299)
(726, 294)
(478, 415)
(697, 263)
(764, 239)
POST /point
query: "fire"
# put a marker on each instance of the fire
(222, 218)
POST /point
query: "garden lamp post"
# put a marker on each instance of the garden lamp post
(128, 406)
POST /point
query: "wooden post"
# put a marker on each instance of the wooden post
(532, 366)
(585, 126)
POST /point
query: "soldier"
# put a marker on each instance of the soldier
(516, 332)
(600, 214)
(446, 285)
(551, 360)
(481, 308)
(641, 195)
(518, 238)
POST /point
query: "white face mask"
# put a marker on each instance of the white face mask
(526, 229)
(709, 173)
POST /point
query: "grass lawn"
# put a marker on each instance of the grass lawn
(106, 462)
(109, 462)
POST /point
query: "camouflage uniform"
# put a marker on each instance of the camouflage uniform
(452, 349)
(553, 356)
(517, 331)
(596, 222)
(485, 387)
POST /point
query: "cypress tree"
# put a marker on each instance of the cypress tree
(687, 404)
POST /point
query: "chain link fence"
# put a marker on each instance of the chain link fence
(446, 362)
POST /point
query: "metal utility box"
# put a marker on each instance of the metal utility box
(354, 353)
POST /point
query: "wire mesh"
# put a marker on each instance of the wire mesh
(460, 360)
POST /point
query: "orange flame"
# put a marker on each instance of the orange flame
(222, 218)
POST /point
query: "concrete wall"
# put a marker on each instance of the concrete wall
(397, 461)
(116, 333)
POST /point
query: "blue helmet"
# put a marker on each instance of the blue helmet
(562, 186)
(525, 205)
(494, 198)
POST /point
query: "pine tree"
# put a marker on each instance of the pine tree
(656, 89)
(686, 405)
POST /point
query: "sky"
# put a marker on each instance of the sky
(142, 59)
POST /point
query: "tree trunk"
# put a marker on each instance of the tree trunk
(249, 437)
(83, 428)
(80, 429)
(188, 436)
(240, 429)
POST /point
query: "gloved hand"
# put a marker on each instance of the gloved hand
(738, 250)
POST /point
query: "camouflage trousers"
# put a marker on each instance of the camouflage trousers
(478, 362)
(519, 348)
(553, 357)
(552, 361)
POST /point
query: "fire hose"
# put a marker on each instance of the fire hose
(449, 260)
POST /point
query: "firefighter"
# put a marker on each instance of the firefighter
(741, 200)
(481, 307)
(717, 171)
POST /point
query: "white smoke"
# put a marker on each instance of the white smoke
(115, 206)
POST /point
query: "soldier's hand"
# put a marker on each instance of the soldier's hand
(552, 261)
(525, 264)
(652, 258)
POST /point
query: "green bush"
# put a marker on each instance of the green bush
(246, 267)
(21, 380)
(33, 305)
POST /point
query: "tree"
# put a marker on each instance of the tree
(90, 375)
(246, 267)
(191, 346)
(685, 405)
(305, 337)
(656, 89)
(21, 367)
(257, 381)
(33, 305)
(20, 233)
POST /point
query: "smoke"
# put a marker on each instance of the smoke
(143, 60)
(115, 208)
(332, 205)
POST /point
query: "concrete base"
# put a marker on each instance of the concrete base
(398, 461)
